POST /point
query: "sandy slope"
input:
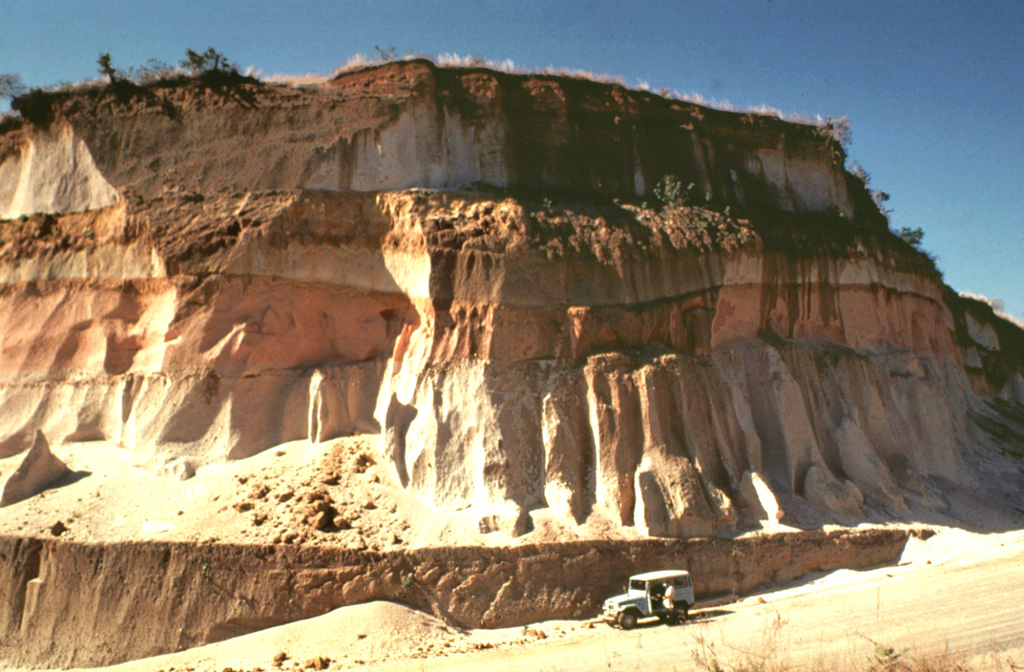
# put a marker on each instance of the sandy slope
(266, 499)
(262, 499)
(366, 634)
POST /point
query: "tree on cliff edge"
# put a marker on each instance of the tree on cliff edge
(11, 86)
(912, 236)
(208, 60)
(107, 68)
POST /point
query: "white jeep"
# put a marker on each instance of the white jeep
(644, 598)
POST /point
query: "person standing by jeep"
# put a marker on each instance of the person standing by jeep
(669, 599)
(645, 598)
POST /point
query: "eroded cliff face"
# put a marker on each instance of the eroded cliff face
(201, 272)
(650, 364)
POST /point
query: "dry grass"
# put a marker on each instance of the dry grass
(887, 660)
(297, 81)
(76, 87)
(997, 307)
(354, 62)
(769, 656)
(459, 61)
(453, 60)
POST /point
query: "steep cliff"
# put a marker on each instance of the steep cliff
(472, 265)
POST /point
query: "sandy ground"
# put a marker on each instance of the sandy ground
(350, 638)
(263, 499)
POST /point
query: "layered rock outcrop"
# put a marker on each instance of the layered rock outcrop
(163, 597)
(225, 266)
(412, 124)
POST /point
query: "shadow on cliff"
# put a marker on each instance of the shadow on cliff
(974, 507)
(69, 477)
(232, 86)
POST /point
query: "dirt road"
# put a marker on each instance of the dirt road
(964, 594)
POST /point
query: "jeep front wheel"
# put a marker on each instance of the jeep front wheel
(627, 620)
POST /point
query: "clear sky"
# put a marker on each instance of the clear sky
(934, 90)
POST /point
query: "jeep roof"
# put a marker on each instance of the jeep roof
(660, 575)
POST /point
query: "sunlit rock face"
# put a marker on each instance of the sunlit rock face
(202, 272)
(52, 171)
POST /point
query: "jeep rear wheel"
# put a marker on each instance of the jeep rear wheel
(627, 620)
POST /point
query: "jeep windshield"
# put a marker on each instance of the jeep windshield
(638, 585)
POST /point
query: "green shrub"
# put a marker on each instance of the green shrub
(106, 67)
(210, 59)
(11, 85)
(912, 236)
(670, 193)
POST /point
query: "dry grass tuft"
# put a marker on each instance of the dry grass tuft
(459, 61)
(298, 81)
(355, 62)
(770, 656)
(997, 307)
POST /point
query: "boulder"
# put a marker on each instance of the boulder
(823, 489)
(865, 468)
(671, 500)
(37, 471)
(515, 522)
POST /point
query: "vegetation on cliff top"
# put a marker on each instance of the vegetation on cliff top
(156, 72)
(210, 69)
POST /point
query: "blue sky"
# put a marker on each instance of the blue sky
(934, 90)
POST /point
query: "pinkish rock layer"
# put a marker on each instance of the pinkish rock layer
(569, 353)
